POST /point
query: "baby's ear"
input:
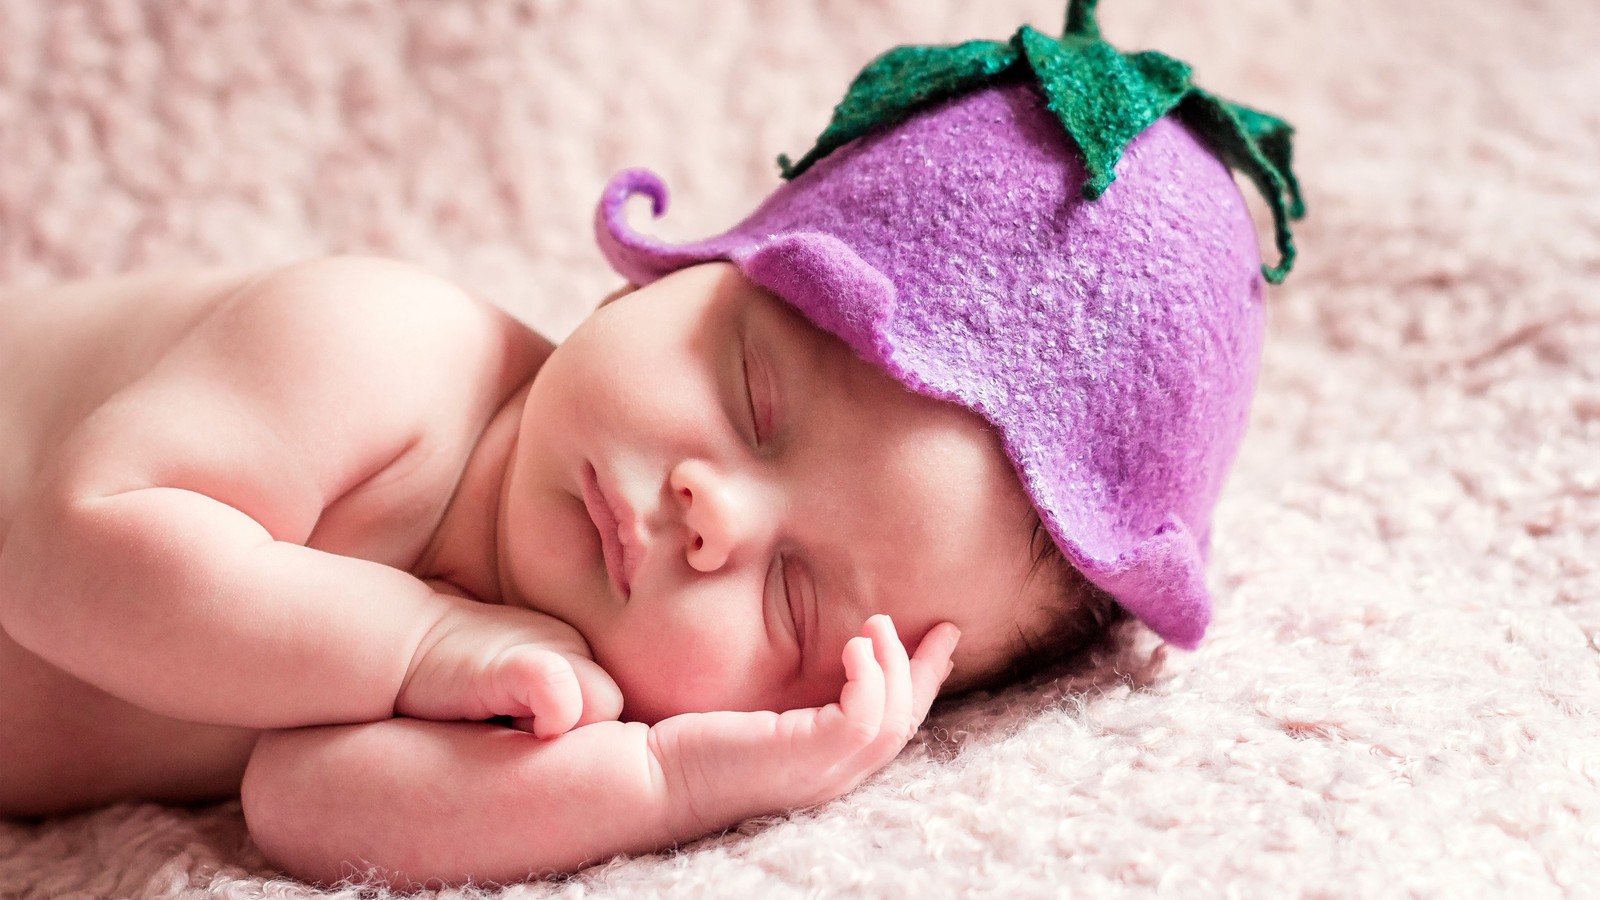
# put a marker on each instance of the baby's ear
(623, 291)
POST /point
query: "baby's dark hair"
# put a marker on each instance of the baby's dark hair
(1079, 616)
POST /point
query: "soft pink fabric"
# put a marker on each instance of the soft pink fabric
(1398, 693)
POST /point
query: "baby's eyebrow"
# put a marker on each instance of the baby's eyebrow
(795, 381)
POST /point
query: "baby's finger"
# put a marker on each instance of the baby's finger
(602, 699)
(930, 666)
(891, 655)
(547, 687)
(861, 701)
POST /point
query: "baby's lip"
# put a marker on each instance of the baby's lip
(617, 524)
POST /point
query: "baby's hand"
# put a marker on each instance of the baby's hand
(483, 660)
(724, 766)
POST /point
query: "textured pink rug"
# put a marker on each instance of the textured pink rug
(1400, 693)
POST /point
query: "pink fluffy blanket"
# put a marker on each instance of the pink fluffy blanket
(1399, 694)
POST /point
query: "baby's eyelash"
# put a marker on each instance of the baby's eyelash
(790, 601)
(750, 398)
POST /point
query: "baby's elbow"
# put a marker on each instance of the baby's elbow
(294, 813)
(275, 813)
(262, 803)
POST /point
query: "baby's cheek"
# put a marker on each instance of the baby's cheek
(677, 672)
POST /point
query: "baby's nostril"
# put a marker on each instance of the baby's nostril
(699, 542)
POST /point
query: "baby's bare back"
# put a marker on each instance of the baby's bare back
(65, 349)
(64, 352)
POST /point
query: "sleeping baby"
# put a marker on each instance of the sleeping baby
(444, 601)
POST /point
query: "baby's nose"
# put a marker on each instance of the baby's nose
(721, 515)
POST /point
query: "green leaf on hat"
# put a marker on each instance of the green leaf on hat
(900, 82)
(1103, 98)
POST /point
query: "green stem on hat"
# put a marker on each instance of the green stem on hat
(1103, 98)
(1080, 20)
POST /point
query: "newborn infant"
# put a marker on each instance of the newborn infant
(957, 395)
(346, 490)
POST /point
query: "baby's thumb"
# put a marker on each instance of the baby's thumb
(602, 699)
(930, 666)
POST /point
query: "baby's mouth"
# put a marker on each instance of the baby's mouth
(608, 524)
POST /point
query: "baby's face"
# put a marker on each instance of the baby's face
(717, 495)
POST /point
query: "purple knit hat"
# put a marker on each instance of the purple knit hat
(1112, 342)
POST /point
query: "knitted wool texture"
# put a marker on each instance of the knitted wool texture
(1112, 343)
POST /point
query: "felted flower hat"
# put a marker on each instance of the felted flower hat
(1046, 232)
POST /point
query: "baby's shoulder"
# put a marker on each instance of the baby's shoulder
(336, 366)
(311, 379)
(368, 324)
(393, 307)
(366, 338)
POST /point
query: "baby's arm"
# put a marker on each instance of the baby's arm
(163, 556)
(328, 802)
